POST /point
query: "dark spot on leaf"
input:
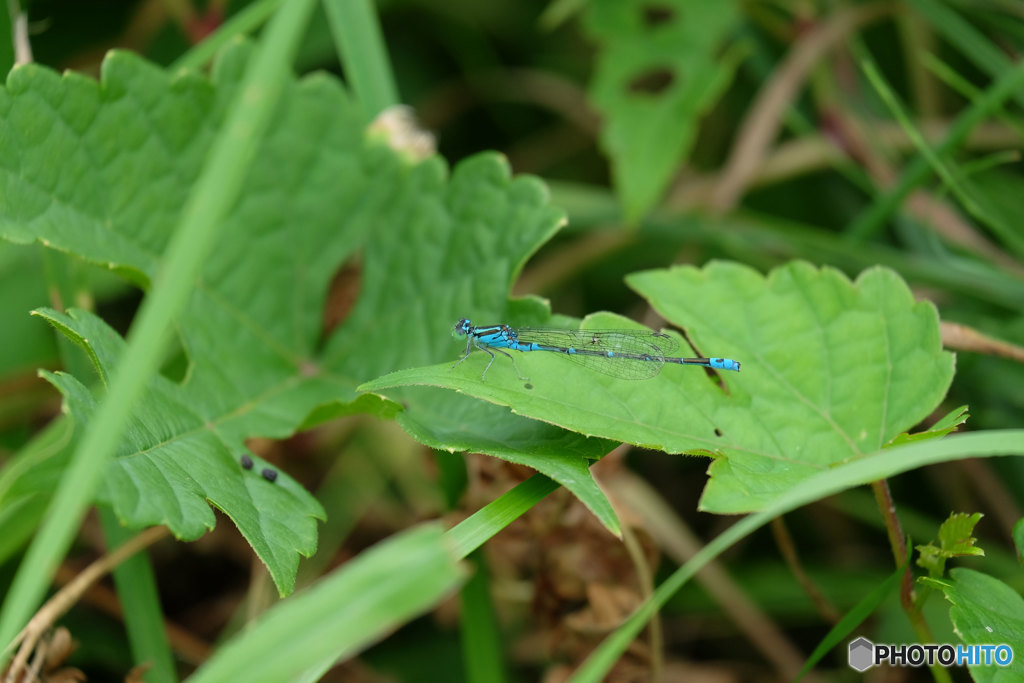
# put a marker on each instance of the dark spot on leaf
(653, 81)
(718, 432)
(655, 15)
(528, 386)
(269, 474)
(246, 462)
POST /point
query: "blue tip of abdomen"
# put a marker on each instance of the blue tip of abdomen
(725, 364)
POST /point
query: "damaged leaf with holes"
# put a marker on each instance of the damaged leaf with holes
(661, 66)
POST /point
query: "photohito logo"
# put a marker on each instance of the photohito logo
(864, 654)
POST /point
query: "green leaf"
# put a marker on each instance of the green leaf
(955, 534)
(954, 540)
(177, 460)
(652, 413)
(946, 425)
(351, 608)
(120, 210)
(832, 371)
(985, 611)
(931, 558)
(568, 396)
(489, 225)
(658, 71)
(101, 170)
(216, 191)
(450, 422)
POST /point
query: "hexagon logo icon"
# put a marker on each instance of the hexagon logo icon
(862, 654)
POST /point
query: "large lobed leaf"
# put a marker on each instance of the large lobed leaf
(101, 170)
(832, 370)
(176, 456)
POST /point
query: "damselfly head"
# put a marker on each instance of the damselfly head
(462, 328)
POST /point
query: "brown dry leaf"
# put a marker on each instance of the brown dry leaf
(59, 646)
(138, 673)
(559, 568)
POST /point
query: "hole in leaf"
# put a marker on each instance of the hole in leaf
(341, 297)
(656, 15)
(653, 81)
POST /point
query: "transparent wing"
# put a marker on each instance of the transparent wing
(644, 343)
(627, 341)
(619, 368)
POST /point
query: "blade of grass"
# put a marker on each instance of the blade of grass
(133, 578)
(472, 532)
(213, 195)
(856, 616)
(246, 21)
(975, 46)
(478, 626)
(886, 463)
(762, 241)
(301, 638)
(760, 64)
(872, 220)
(358, 39)
(961, 84)
(950, 176)
(144, 622)
(19, 514)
